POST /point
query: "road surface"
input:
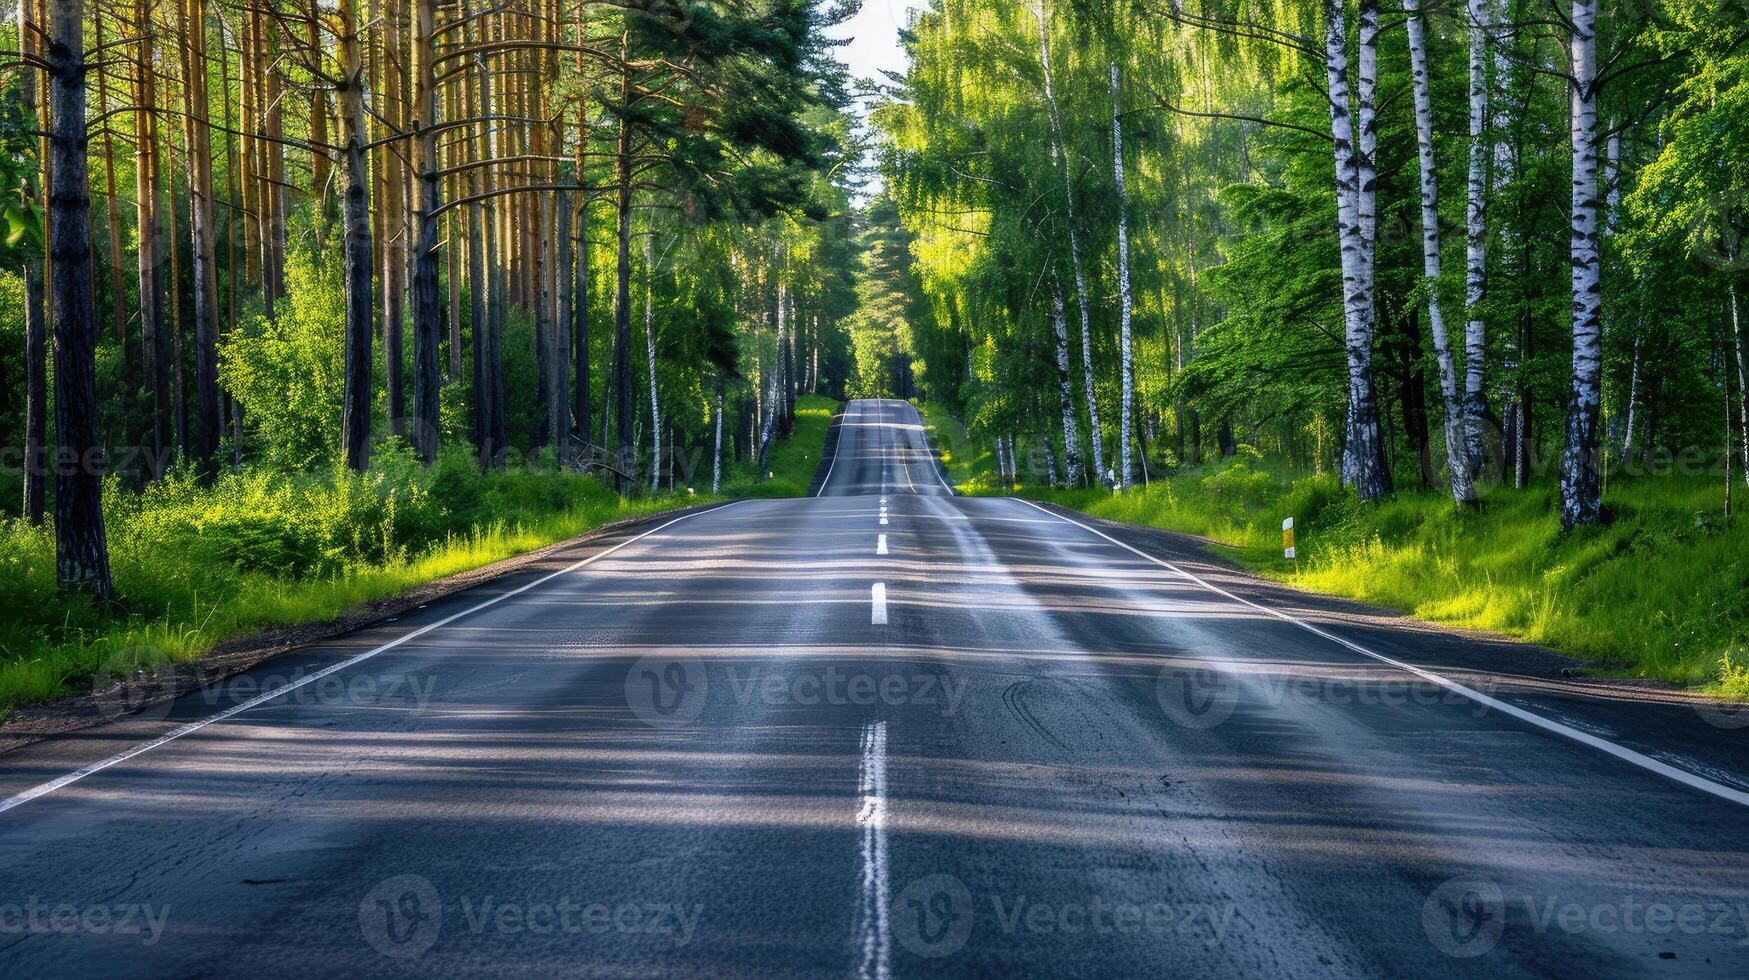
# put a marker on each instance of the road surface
(885, 731)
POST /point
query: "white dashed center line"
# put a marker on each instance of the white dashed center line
(881, 545)
(878, 615)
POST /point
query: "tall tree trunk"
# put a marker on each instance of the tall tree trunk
(650, 354)
(717, 440)
(1126, 367)
(427, 310)
(81, 551)
(198, 138)
(117, 294)
(1059, 150)
(391, 182)
(1065, 397)
(36, 393)
(1363, 448)
(561, 275)
(580, 328)
(147, 256)
(1742, 373)
(622, 310)
(1458, 460)
(479, 325)
(1476, 242)
(355, 218)
(319, 163)
(1581, 483)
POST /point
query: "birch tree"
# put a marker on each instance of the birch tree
(1125, 301)
(1476, 234)
(1458, 461)
(1059, 152)
(1581, 483)
(1363, 451)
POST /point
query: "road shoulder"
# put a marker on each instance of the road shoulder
(1700, 734)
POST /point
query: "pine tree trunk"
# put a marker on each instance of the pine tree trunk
(650, 357)
(198, 137)
(117, 294)
(36, 394)
(81, 551)
(356, 228)
(562, 271)
(622, 311)
(1125, 301)
(1581, 483)
(580, 328)
(1059, 151)
(390, 183)
(427, 310)
(150, 268)
(1458, 461)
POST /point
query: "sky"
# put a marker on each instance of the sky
(874, 34)
(874, 47)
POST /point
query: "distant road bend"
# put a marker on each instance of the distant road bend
(884, 731)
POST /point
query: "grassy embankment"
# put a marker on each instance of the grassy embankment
(1662, 591)
(200, 565)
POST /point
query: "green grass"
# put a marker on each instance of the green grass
(1662, 591)
(792, 463)
(196, 566)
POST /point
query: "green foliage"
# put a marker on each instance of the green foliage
(792, 461)
(287, 372)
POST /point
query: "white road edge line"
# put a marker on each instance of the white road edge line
(878, 611)
(875, 937)
(1621, 752)
(43, 789)
(881, 545)
(834, 464)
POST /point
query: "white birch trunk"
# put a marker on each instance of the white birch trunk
(1366, 84)
(1476, 236)
(1071, 433)
(717, 443)
(1742, 369)
(1363, 459)
(1125, 303)
(1463, 489)
(1581, 487)
(1060, 151)
(1627, 440)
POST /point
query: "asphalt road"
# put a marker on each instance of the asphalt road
(886, 731)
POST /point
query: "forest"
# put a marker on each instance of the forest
(1486, 253)
(293, 291)
(303, 290)
(1429, 244)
